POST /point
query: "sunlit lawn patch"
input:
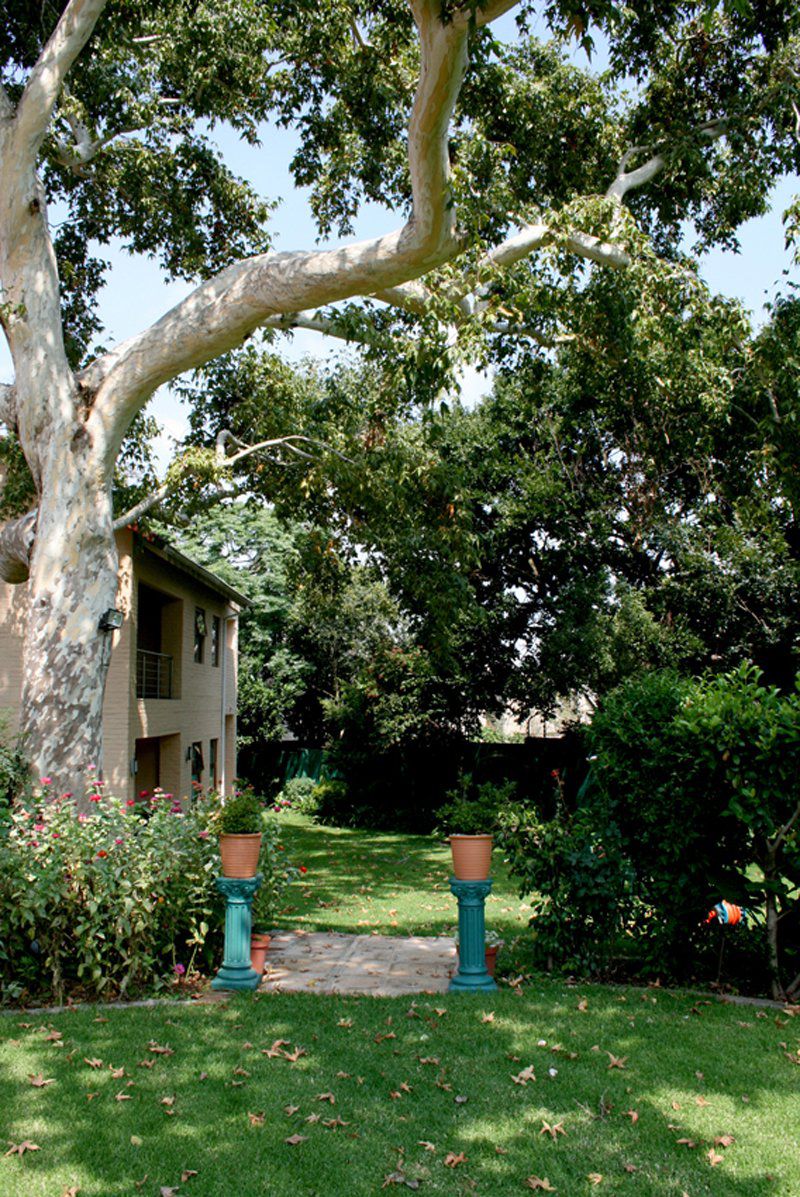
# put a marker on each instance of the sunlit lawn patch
(365, 881)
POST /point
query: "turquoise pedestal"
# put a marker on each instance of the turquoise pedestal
(236, 971)
(473, 975)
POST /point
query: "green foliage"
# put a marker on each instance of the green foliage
(299, 795)
(240, 814)
(693, 797)
(277, 872)
(473, 809)
(578, 882)
(104, 903)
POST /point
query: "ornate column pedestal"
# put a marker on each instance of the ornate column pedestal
(236, 971)
(473, 975)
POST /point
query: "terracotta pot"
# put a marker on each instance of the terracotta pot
(240, 854)
(472, 856)
(259, 942)
(491, 958)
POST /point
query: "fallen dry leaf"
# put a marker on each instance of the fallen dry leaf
(168, 1101)
(187, 1174)
(53, 1037)
(256, 1119)
(38, 1080)
(21, 1148)
(327, 1097)
(686, 1143)
(93, 1062)
(451, 1160)
(424, 1143)
(701, 1101)
(488, 1017)
(158, 1050)
(714, 1157)
(595, 1178)
(553, 1131)
(724, 1141)
(123, 1097)
(293, 1140)
(333, 1122)
(71, 1191)
(616, 1061)
(146, 1063)
(583, 1005)
(168, 1191)
(294, 1056)
(522, 1078)
(539, 1182)
(632, 1114)
(289, 1110)
(312, 1118)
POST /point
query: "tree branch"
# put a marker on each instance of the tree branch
(46, 79)
(224, 438)
(628, 180)
(220, 313)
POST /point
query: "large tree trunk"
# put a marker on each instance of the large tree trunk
(73, 581)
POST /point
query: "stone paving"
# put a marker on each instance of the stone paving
(382, 965)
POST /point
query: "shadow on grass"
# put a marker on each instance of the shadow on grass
(192, 1109)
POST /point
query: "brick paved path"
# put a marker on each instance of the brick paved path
(383, 965)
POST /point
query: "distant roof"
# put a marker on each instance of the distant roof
(162, 548)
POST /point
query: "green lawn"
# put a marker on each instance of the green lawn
(646, 1093)
(411, 1082)
(363, 881)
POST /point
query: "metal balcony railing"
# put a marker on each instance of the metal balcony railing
(153, 675)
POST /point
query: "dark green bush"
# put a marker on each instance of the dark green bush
(693, 797)
(471, 809)
(241, 814)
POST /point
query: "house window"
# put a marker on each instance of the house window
(199, 634)
(197, 764)
(213, 758)
(215, 631)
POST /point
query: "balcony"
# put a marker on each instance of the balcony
(153, 674)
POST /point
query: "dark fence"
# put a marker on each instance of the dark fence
(405, 788)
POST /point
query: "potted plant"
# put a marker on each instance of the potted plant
(468, 824)
(239, 825)
(259, 943)
(493, 944)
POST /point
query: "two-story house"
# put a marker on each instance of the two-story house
(169, 717)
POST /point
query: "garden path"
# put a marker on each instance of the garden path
(382, 965)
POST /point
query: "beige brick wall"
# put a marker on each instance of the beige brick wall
(201, 713)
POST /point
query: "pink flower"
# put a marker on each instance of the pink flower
(91, 766)
(46, 781)
(38, 827)
(82, 817)
(34, 843)
(202, 835)
(56, 835)
(131, 802)
(179, 970)
(118, 840)
(67, 794)
(94, 797)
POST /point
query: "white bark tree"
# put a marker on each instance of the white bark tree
(71, 421)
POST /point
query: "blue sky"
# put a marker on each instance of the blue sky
(137, 293)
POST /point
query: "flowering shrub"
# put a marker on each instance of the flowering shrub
(104, 902)
(278, 874)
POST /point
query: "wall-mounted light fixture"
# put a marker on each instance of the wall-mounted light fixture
(111, 620)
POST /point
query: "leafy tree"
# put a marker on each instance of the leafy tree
(108, 109)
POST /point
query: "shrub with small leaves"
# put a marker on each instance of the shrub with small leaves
(106, 901)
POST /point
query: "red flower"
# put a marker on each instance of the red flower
(94, 797)
(303, 869)
(102, 852)
(131, 802)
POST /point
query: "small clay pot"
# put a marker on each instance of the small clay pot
(491, 958)
(472, 856)
(240, 854)
(259, 943)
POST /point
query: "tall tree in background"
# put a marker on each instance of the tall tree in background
(105, 107)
